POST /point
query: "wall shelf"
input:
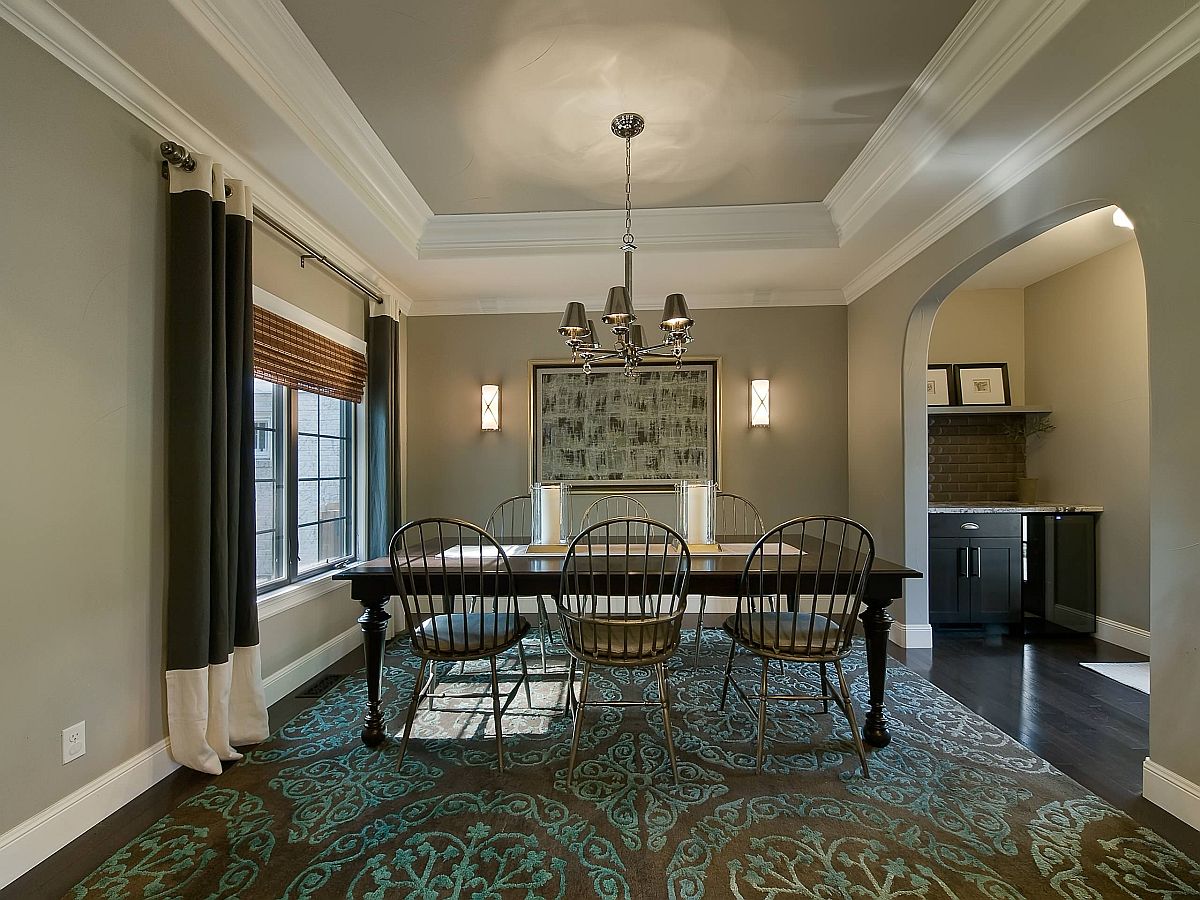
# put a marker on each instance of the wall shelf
(989, 410)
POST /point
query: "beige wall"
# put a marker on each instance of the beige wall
(81, 463)
(796, 466)
(983, 326)
(82, 262)
(1085, 357)
(1142, 158)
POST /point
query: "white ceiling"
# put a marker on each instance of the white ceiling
(347, 165)
(1052, 251)
(505, 106)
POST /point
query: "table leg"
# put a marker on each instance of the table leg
(877, 625)
(373, 622)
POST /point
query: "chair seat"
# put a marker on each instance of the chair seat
(476, 633)
(615, 640)
(787, 632)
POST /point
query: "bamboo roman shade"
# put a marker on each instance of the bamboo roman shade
(297, 357)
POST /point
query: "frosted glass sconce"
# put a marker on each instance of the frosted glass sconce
(760, 403)
(491, 407)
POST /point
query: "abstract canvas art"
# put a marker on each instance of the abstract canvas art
(649, 431)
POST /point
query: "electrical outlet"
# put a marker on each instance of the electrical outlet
(73, 743)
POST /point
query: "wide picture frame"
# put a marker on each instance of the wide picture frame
(605, 431)
(982, 384)
(939, 385)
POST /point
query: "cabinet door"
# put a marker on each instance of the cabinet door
(949, 591)
(996, 581)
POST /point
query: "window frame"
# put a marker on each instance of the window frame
(288, 434)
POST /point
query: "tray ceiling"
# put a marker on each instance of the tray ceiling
(504, 106)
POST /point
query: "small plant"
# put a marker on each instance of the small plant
(1027, 426)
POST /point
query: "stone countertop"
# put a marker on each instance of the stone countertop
(995, 506)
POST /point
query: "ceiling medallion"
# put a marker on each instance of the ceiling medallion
(579, 330)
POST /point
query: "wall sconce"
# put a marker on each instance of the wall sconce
(490, 395)
(760, 403)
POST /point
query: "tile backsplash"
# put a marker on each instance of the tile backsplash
(975, 457)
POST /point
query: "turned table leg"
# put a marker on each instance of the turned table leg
(877, 625)
(373, 622)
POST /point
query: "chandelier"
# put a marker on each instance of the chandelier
(630, 341)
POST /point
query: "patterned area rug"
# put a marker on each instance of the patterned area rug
(955, 808)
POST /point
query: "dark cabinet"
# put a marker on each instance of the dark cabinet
(1060, 594)
(975, 569)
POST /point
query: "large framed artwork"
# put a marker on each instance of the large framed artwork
(605, 430)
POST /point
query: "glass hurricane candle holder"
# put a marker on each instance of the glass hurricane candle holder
(551, 513)
(697, 507)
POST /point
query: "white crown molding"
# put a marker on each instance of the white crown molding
(761, 227)
(271, 53)
(64, 38)
(987, 48)
(695, 301)
(1148, 65)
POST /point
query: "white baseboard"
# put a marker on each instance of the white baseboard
(912, 637)
(39, 837)
(1127, 636)
(1174, 793)
(279, 684)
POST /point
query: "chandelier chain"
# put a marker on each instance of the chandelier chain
(627, 241)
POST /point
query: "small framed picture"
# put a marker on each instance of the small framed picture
(939, 385)
(982, 384)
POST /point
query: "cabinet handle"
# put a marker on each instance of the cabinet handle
(978, 562)
(969, 526)
(964, 570)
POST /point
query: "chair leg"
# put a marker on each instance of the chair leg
(858, 744)
(496, 714)
(728, 673)
(700, 624)
(826, 687)
(433, 680)
(762, 716)
(524, 674)
(412, 712)
(665, 700)
(543, 628)
(570, 704)
(578, 730)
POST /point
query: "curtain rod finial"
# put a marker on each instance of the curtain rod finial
(177, 155)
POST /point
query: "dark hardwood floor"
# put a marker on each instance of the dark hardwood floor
(1092, 728)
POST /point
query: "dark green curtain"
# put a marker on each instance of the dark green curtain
(383, 430)
(213, 679)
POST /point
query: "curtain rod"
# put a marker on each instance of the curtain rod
(177, 155)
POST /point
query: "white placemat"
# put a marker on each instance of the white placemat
(655, 549)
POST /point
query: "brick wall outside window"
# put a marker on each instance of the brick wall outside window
(974, 458)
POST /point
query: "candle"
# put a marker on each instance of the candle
(548, 503)
(697, 512)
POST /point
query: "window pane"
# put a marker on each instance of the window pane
(333, 539)
(331, 498)
(306, 457)
(333, 457)
(309, 557)
(269, 467)
(332, 411)
(306, 503)
(306, 412)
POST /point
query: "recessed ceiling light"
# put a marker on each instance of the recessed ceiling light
(1121, 220)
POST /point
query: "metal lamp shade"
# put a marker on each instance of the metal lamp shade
(574, 321)
(618, 310)
(675, 313)
(635, 337)
(591, 338)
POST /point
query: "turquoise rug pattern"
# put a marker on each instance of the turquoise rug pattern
(955, 808)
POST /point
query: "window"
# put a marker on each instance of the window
(304, 483)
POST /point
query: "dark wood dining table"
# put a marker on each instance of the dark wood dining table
(372, 584)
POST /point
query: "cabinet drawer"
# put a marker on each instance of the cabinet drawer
(972, 526)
